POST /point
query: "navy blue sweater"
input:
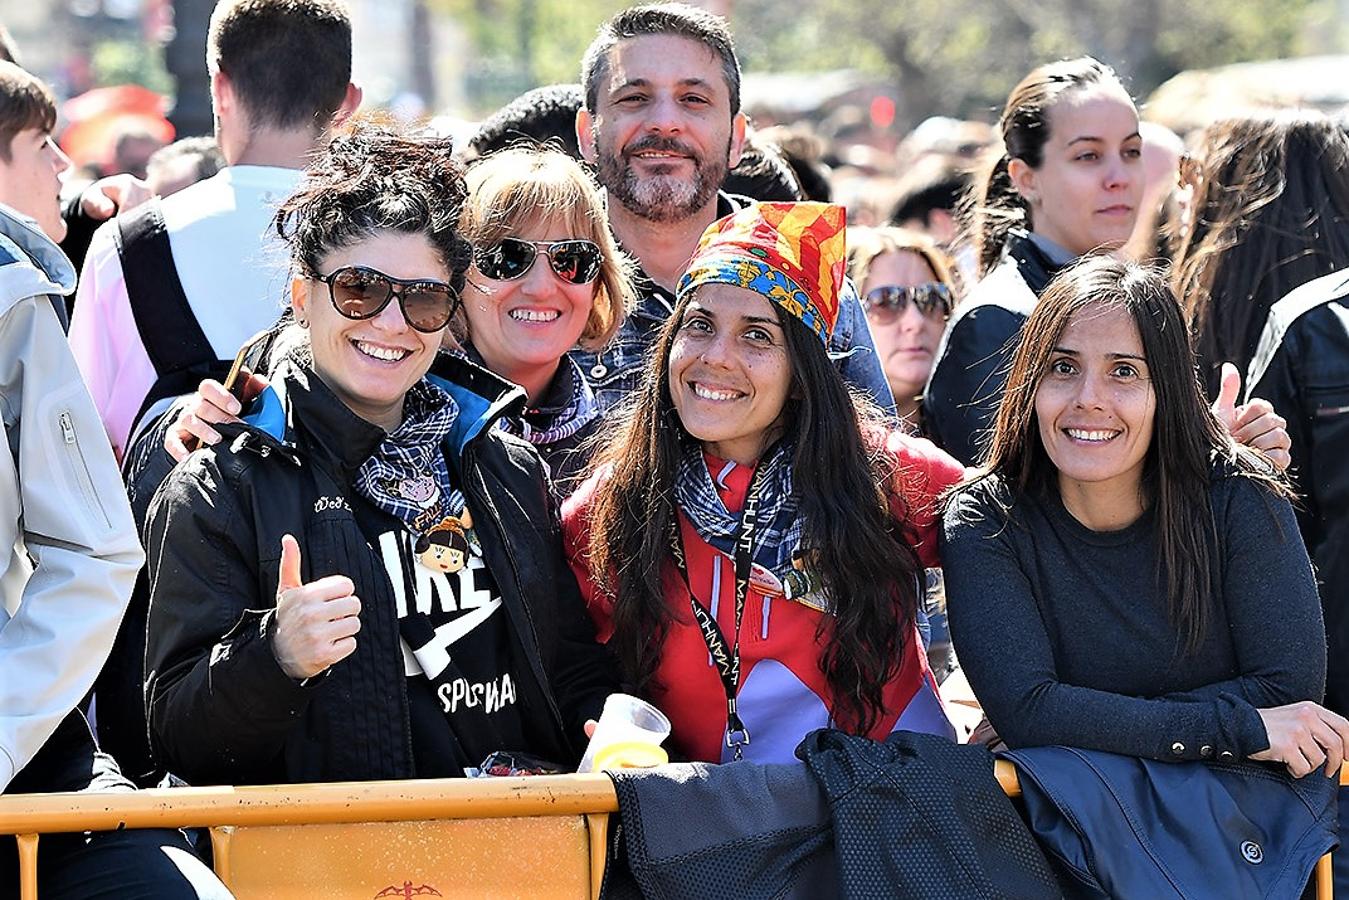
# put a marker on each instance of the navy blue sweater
(1064, 634)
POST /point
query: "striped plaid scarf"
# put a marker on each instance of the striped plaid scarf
(567, 406)
(408, 475)
(780, 533)
(578, 410)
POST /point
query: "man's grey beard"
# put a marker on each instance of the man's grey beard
(661, 198)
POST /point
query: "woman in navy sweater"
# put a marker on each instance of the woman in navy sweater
(1122, 576)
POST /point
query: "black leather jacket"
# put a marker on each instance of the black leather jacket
(220, 708)
(975, 354)
(1301, 366)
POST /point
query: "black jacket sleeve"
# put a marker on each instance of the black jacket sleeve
(218, 704)
(968, 379)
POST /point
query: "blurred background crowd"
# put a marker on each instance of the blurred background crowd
(881, 105)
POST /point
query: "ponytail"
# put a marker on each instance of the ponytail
(991, 208)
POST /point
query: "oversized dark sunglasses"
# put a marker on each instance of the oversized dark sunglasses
(358, 292)
(574, 261)
(887, 302)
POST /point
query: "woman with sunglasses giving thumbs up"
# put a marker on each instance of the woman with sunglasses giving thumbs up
(362, 579)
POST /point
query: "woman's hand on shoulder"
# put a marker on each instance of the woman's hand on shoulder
(1254, 424)
(210, 405)
(1304, 736)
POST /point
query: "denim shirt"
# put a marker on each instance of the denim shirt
(616, 371)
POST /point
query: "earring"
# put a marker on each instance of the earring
(302, 322)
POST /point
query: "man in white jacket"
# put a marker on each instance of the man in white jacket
(68, 550)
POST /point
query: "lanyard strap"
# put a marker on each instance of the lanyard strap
(727, 660)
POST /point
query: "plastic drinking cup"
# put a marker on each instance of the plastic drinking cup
(625, 719)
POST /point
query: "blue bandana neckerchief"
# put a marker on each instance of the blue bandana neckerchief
(408, 475)
(577, 409)
(568, 405)
(780, 532)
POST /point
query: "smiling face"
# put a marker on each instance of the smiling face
(1095, 407)
(663, 136)
(523, 327)
(906, 340)
(1087, 190)
(729, 374)
(30, 181)
(371, 363)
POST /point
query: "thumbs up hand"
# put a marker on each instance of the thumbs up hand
(316, 623)
(1254, 424)
(1225, 407)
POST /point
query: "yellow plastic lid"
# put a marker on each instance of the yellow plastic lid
(630, 755)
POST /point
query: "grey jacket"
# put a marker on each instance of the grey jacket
(70, 550)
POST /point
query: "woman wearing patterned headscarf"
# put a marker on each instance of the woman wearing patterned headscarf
(753, 541)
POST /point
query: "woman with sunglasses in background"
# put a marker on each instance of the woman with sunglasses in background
(364, 581)
(547, 276)
(908, 292)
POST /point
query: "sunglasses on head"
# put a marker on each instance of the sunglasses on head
(359, 292)
(888, 301)
(574, 261)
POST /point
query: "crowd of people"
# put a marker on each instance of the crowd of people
(426, 450)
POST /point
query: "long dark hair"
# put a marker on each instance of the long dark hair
(1187, 438)
(1272, 213)
(993, 207)
(865, 558)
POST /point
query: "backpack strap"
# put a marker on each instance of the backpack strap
(169, 331)
(173, 340)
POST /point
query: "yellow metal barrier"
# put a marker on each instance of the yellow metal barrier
(543, 836)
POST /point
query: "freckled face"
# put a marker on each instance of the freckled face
(729, 374)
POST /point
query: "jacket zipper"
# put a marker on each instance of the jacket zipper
(81, 467)
(345, 487)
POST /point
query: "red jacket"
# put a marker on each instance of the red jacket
(782, 692)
